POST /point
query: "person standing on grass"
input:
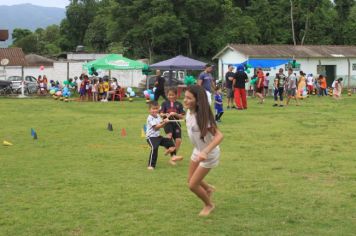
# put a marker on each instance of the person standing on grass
(337, 88)
(229, 77)
(205, 137)
(218, 104)
(323, 85)
(310, 84)
(291, 87)
(159, 84)
(238, 84)
(265, 85)
(206, 80)
(278, 88)
(259, 85)
(173, 110)
(154, 138)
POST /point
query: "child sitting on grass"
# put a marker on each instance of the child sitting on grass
(154, 138)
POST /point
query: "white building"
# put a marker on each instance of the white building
(62, 69)
(331, 61)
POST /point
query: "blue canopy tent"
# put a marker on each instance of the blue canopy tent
(178, 63)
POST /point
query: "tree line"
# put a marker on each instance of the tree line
(160, 29)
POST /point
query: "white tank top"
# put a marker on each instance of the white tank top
(194, 133)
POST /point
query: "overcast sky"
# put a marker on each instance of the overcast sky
(46, 3)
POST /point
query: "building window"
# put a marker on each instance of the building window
(296, 68)
(353, 66)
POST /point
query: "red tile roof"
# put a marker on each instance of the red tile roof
(15, 56)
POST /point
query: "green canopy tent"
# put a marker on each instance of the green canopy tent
(114, 62)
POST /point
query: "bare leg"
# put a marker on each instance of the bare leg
(196, 183)
(192, 167)
(178, 143)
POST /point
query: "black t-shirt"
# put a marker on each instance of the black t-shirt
(228, 82)
(241, 79)
(168, 106)
(160, 85)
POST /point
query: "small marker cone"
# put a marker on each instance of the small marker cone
(110, 127)
(6, 143)
(123, 132)
(33, 133)
(143, 134)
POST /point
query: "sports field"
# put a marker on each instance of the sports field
(283, 171)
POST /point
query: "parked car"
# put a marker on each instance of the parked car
(30, 84)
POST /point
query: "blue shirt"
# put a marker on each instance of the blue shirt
(207, 80)
(218, 107)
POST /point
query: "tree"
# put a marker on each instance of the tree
(349, 32)
(19, 34)
(79, 14)
(343, 8)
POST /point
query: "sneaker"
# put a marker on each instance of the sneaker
(281, 105)
(219, 121)
(150, 168)
(275, 105)
(227, 108)
(233, 107)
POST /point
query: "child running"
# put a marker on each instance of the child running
(205, 137)
(219, 110)
(154, 139)
(173, 110)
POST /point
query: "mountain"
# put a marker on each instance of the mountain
(28, 16)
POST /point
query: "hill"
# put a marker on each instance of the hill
(28, 16)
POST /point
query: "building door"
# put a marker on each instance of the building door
(329, 71)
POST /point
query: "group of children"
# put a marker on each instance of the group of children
(96, 89)
(202, 131)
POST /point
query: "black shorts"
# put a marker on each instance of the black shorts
(174, 128)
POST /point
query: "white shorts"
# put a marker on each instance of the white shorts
(212, 160)
(208, 94)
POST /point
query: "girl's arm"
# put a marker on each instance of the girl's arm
(218, 137)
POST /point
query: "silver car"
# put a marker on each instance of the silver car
(30, 84)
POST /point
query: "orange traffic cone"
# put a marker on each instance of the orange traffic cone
(123, 132)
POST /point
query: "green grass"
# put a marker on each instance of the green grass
(283, 171)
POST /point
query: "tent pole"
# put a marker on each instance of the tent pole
(109, 74)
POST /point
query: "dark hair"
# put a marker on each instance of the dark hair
(204, 115)
(174, 90)
(339, 79)
(153, 104)
(267, 74)
(207, 65)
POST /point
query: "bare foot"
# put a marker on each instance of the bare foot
(172, 162)
(150, 168)
(207, 210)
(210, 190)
(169, 150)
(177, 158)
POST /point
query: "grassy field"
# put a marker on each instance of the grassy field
(283, 171)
